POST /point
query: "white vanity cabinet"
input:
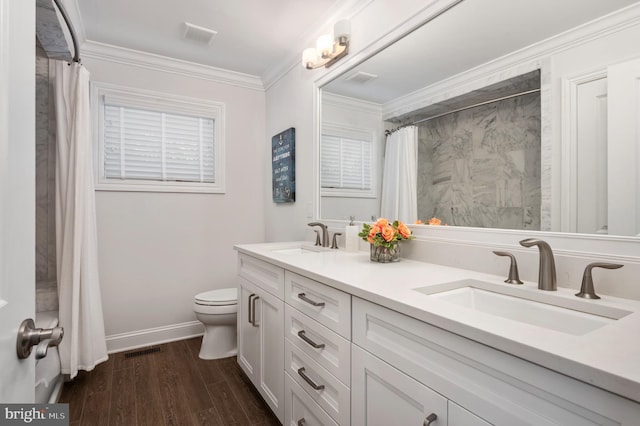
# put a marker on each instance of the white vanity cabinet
(317, 353)
(261, 328)
(406, 361)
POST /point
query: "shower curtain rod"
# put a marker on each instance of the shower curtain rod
(515, 95)
(74, 38)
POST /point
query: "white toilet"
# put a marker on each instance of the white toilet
(217, 310)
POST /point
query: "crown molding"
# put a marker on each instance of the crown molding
(512, 64)
(136, 58)
(351, 103)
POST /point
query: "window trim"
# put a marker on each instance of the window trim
(341, 131)
(160, 102)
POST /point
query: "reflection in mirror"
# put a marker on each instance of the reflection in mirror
(545, 158)
(480, 166)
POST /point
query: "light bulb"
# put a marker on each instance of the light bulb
(309, 55)
(342, 29)
(324, 45)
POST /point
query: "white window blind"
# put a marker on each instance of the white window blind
(143, 144)
(157, 142)
(346, 163)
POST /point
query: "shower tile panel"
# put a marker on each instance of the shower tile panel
(481, 166)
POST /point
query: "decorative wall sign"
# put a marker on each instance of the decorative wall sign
(283, 164)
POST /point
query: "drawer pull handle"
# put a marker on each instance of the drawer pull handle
(304, 297)
(302, 422)
(253, 310)
(308, 380)
(430, 419)
(303, 336)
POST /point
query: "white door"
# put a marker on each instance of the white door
(17, 193)
(624, 152)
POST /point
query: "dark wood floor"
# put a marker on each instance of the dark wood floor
(170, 387)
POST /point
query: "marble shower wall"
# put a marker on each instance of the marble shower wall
(481, 167)
(46, 287)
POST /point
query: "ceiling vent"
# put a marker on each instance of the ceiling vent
(361, 77)
(199, 34)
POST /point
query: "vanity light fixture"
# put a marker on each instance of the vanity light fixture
(329, 48)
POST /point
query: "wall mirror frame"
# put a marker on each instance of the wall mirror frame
(559, 89)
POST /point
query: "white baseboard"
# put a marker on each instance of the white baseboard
(153, 336)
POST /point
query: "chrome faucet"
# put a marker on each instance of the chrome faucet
(325, 233)
(547, 270)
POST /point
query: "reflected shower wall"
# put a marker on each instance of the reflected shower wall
(46, 287)
(481, 167)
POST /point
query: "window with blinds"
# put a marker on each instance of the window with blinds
(159, 143)
(346, 164)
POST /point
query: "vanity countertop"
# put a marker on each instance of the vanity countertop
(608, 357)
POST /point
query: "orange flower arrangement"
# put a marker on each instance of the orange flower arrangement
(433, 221)
(385, 234)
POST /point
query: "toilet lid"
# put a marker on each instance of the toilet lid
(225, 296)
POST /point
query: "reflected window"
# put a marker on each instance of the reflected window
(346, 162)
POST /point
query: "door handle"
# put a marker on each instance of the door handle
(253, 311)
(43, 338)
(430, 419)
(249, 307)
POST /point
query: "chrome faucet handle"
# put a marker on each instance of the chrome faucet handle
(318, 243)
(587, 291)
(334, 242)
(514, 277)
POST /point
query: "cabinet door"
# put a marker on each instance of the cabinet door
(382, 395)
(269, 313)
(248, 334)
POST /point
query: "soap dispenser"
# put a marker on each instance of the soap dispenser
(352, 240)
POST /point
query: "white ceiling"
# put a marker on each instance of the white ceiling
(256, 37)
(253, 37)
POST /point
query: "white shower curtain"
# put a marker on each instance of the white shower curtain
(400, 176)
(80, 305)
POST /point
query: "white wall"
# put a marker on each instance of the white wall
(157, 250)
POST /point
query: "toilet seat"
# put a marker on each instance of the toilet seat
(221, 297)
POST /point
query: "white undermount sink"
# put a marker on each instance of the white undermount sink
(540, 308)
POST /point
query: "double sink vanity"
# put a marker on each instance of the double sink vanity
(329, 338)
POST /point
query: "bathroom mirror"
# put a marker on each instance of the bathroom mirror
(463, 58)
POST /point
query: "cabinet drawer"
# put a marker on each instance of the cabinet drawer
(333, 396)
(300, 409)
(327, 305)
(495, 386)
(263, 274)
(335, 351)
(382, 395)
(458, 416)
